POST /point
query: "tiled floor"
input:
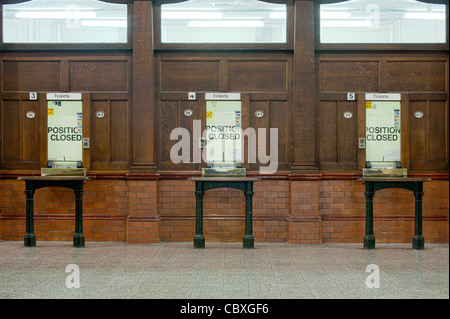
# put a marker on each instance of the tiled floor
(222, 271)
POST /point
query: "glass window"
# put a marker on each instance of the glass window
(385, 21)
(65, 21)
(239, 21)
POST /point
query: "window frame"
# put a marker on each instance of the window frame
(159, 45)
(70, 46)
(378, 46)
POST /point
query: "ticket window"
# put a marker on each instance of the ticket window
(64, 133)
(223, 133)
(383, 133)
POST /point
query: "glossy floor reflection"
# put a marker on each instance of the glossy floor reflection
(222, 271)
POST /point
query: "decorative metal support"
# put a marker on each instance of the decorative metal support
(199, 238)
(369, 238)
(414, 185)
(78, 237)
(30, 237)
(32, 184)
(204, 184)
(248, 241)
(418, 239)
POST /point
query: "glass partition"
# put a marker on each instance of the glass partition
(65, 21)
(383, 131)
(385, 21)
(240, 21)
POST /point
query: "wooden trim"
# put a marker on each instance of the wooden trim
(43, 125)
(428, 96)
(86, 153)
(184, 175)
(405, 142)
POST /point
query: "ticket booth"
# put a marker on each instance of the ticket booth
(223, 129)
(223, 138)
(65, 130)
(383, 130)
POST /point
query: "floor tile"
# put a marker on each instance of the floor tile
(222, 271)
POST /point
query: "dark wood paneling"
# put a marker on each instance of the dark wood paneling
(257, 124)
(429, 136)
(92, 76)
(349, 76)
(416, 76)
(31, 76)
(304, 117)
(328, 132)
(257, 76)
(143, 89)
(338, 135)
(171, 117)
(19, 134)
(187, 75)
(10, 131)
(380, 73)
(347, 133)
(110, 137)
(119, 131)
(167, 122)
(30, 132)
(100, 132)
(280, 119)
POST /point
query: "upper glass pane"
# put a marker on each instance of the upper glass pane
(383, 21)
(65, 21)
(238, 21)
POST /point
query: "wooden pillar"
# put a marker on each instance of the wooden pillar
(304, 106)
(143, 105)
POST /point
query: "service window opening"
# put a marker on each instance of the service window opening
(383, 130)
(64, 131)
(223, 132)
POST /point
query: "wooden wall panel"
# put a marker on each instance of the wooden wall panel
(349, 76)
(347, 133)
(338, 135)
(416, 76)
(328, 148)
(168, 121)
(30, 132)
(110, 135)
(100, 132)
(280, 119)
(94, 76)
(19, 76)
(20, 135)
(429, 146)
(257, 124)
(379, 73)
(187, 75)
(119, 131)
(257, 76)
(171, 117)
(11, 118)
